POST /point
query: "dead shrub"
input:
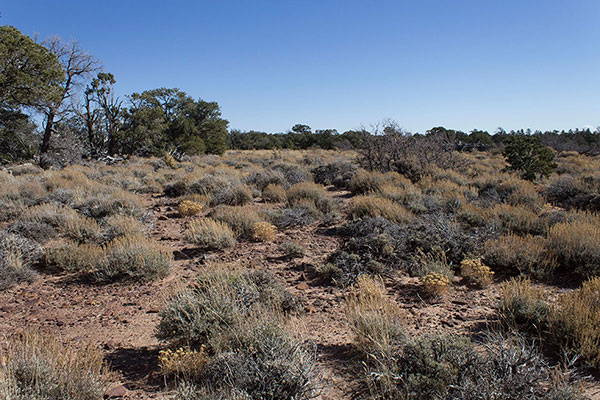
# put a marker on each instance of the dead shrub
(263, 231)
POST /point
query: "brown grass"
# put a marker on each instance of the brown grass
(210, 234)
(375, 206)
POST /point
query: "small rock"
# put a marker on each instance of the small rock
(115, 392)
(302, 286)
(153, 311)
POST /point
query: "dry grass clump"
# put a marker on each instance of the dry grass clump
(241, 219)
(274, 193)
(375, 206)
(524, 306)
(170, 160)
(36, 367)
(375, 319)
(68, 256)
(67, 221)
(517, 219)
(514, 254)
(188, 208)
(263, 231)
(576, 321)
(364, 182)
(475, 272)
(122, 225)
(435, 284)
(133, 258)
(306, 190)
(210, 234)
(576, 245)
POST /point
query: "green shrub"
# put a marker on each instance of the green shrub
(292, 250)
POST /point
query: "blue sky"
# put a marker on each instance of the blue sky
(346, 64)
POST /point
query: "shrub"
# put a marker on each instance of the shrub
(576, 245)
(434, 284)
(292, 250)
(67, 221)
(475, 272)
(263, 231)
(364, 182)
(188, 208)
(217, 304)
(133, 258)
(210, 234)
(343, 269)
(17, 257)
(122, 225)
(286, 218)
(68, 256)
(338, 174)
(376, 321)
(260, 361)
(233, 196)
(517, 219)
(450, 367)
(36, 367)
(576, 321)
(305, 190)
(39, 232)
(514, 254)
(523, 306)
(374, 206)
(571, 192)
(274, 193)
(176, 189)
(526, 155)
(241, 219)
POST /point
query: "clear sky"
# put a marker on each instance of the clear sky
(345, 64)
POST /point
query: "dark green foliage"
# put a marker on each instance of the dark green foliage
(525, 154)
(30, 73)
(570, 192)
(17, 137)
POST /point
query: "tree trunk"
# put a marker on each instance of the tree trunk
(47, 133)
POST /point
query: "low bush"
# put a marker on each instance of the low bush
(122, 225)
(338, 174)
(575, 322)
(263, 231)
(475, 272)
(377, 322)
(176, 189)
(237, 195)
(39, 232)
(37, 367)
(306, 190)
(576, 245)
(574, 192)
(274, 193)
(514, 254)
(68, 256)
(517, 219)
(292, 250)
(364, 182)
(523, 306)
(450, 367)
(241, 219)
(18, 256)
(210, 234)
(133, 258)
(374, 206)
(286, 218)
(188, 208)
(434, 284)
(217, 303)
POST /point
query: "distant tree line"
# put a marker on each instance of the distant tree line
(57, 105)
